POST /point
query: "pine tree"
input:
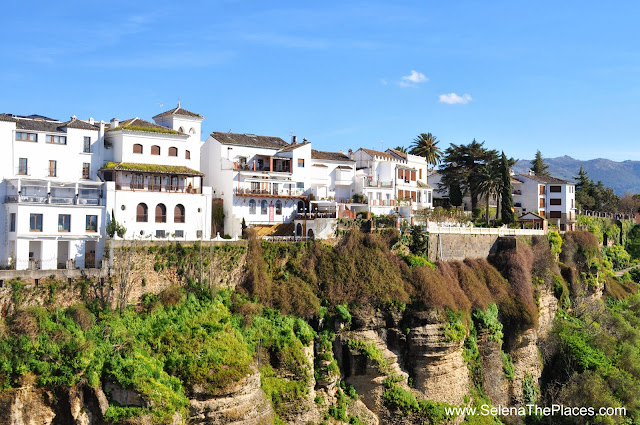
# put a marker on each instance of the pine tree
(506, 192)
(538, 165)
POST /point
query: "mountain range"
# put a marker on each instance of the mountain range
(622, 177)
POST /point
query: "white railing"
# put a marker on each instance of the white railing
(500, 231)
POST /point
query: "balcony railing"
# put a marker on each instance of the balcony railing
(314, 215)
(142, 218)
(175, 188)
(53, 200)
(279, 192)
(161, 218)
(379, 183)
(178, 219)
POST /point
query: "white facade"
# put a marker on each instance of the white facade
(549, 197)
(53, 203)
(154, 188)
(260, 179)
(391, 181)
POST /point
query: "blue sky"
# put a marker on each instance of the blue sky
(562, 77)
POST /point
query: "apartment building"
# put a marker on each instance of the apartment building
(151, 172)
(392, 181)
(549, 197)
(53, 203)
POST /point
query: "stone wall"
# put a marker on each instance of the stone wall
(459, 247)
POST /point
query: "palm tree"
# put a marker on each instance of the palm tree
(400, 149)
(425, 144)
(487, 182)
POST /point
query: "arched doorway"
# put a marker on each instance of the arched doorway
(300, 206)
(311, 234)
(299, 230)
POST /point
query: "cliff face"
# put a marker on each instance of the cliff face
(243, 403)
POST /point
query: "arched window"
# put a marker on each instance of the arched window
(161, 213)
(173, 151)
(192, 130)
(178, 214)
(279, 207)
(155, 150)
(187, 154)
(252, 206)
(298, 229)
(141, 213)
(181, 130)
(263, 207)
(137, 148)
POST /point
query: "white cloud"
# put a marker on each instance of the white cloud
(413, 79)
(453, 98)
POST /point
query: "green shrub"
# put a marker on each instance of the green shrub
(507, 367)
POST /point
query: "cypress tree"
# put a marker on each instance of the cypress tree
(506, 192)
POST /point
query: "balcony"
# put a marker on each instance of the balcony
(151, 187)
(266, 192)
(379, 183)
(51, 200)
(517, 192)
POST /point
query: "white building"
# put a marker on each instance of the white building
(53, 203)
(260, 179)
(549, 197)
(392, 181)
(153, 185)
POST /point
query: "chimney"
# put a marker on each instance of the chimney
(531, 173)
(351, 154)
(73, 117)
(91, 121)
(294, 140)
(115, 122)
(304, 140)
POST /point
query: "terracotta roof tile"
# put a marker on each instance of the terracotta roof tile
(151, 168)
(238, 139)
(545, 179)
(329, 156)
(178, 111)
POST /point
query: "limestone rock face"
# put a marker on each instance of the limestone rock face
(26, 406)
(438, 367)
(495, 385)
(526, 360)
(243, 403)
(547, 312)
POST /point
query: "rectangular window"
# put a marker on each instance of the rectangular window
(198, 233)
(85, 170)
(555, 189)
(401, 174)
(22, 166)
(58, 140)
(413, 176)
(573, 204)
(160, 234)
(300, 162)
(429, 197)
(555, 201)
(21, 136)
(420, 174)
(555, 214)
(12, 222)
(542, 190)
(92, 223)
(35, 222)
(86, 147)
(179, 234)
(300, 185)
(53, 168)
(541, 202)
(64, 223)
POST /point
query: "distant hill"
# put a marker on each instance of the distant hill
(622, 177)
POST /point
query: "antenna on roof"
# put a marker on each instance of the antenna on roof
(161, 105)
(178, 102)
(381, 145)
